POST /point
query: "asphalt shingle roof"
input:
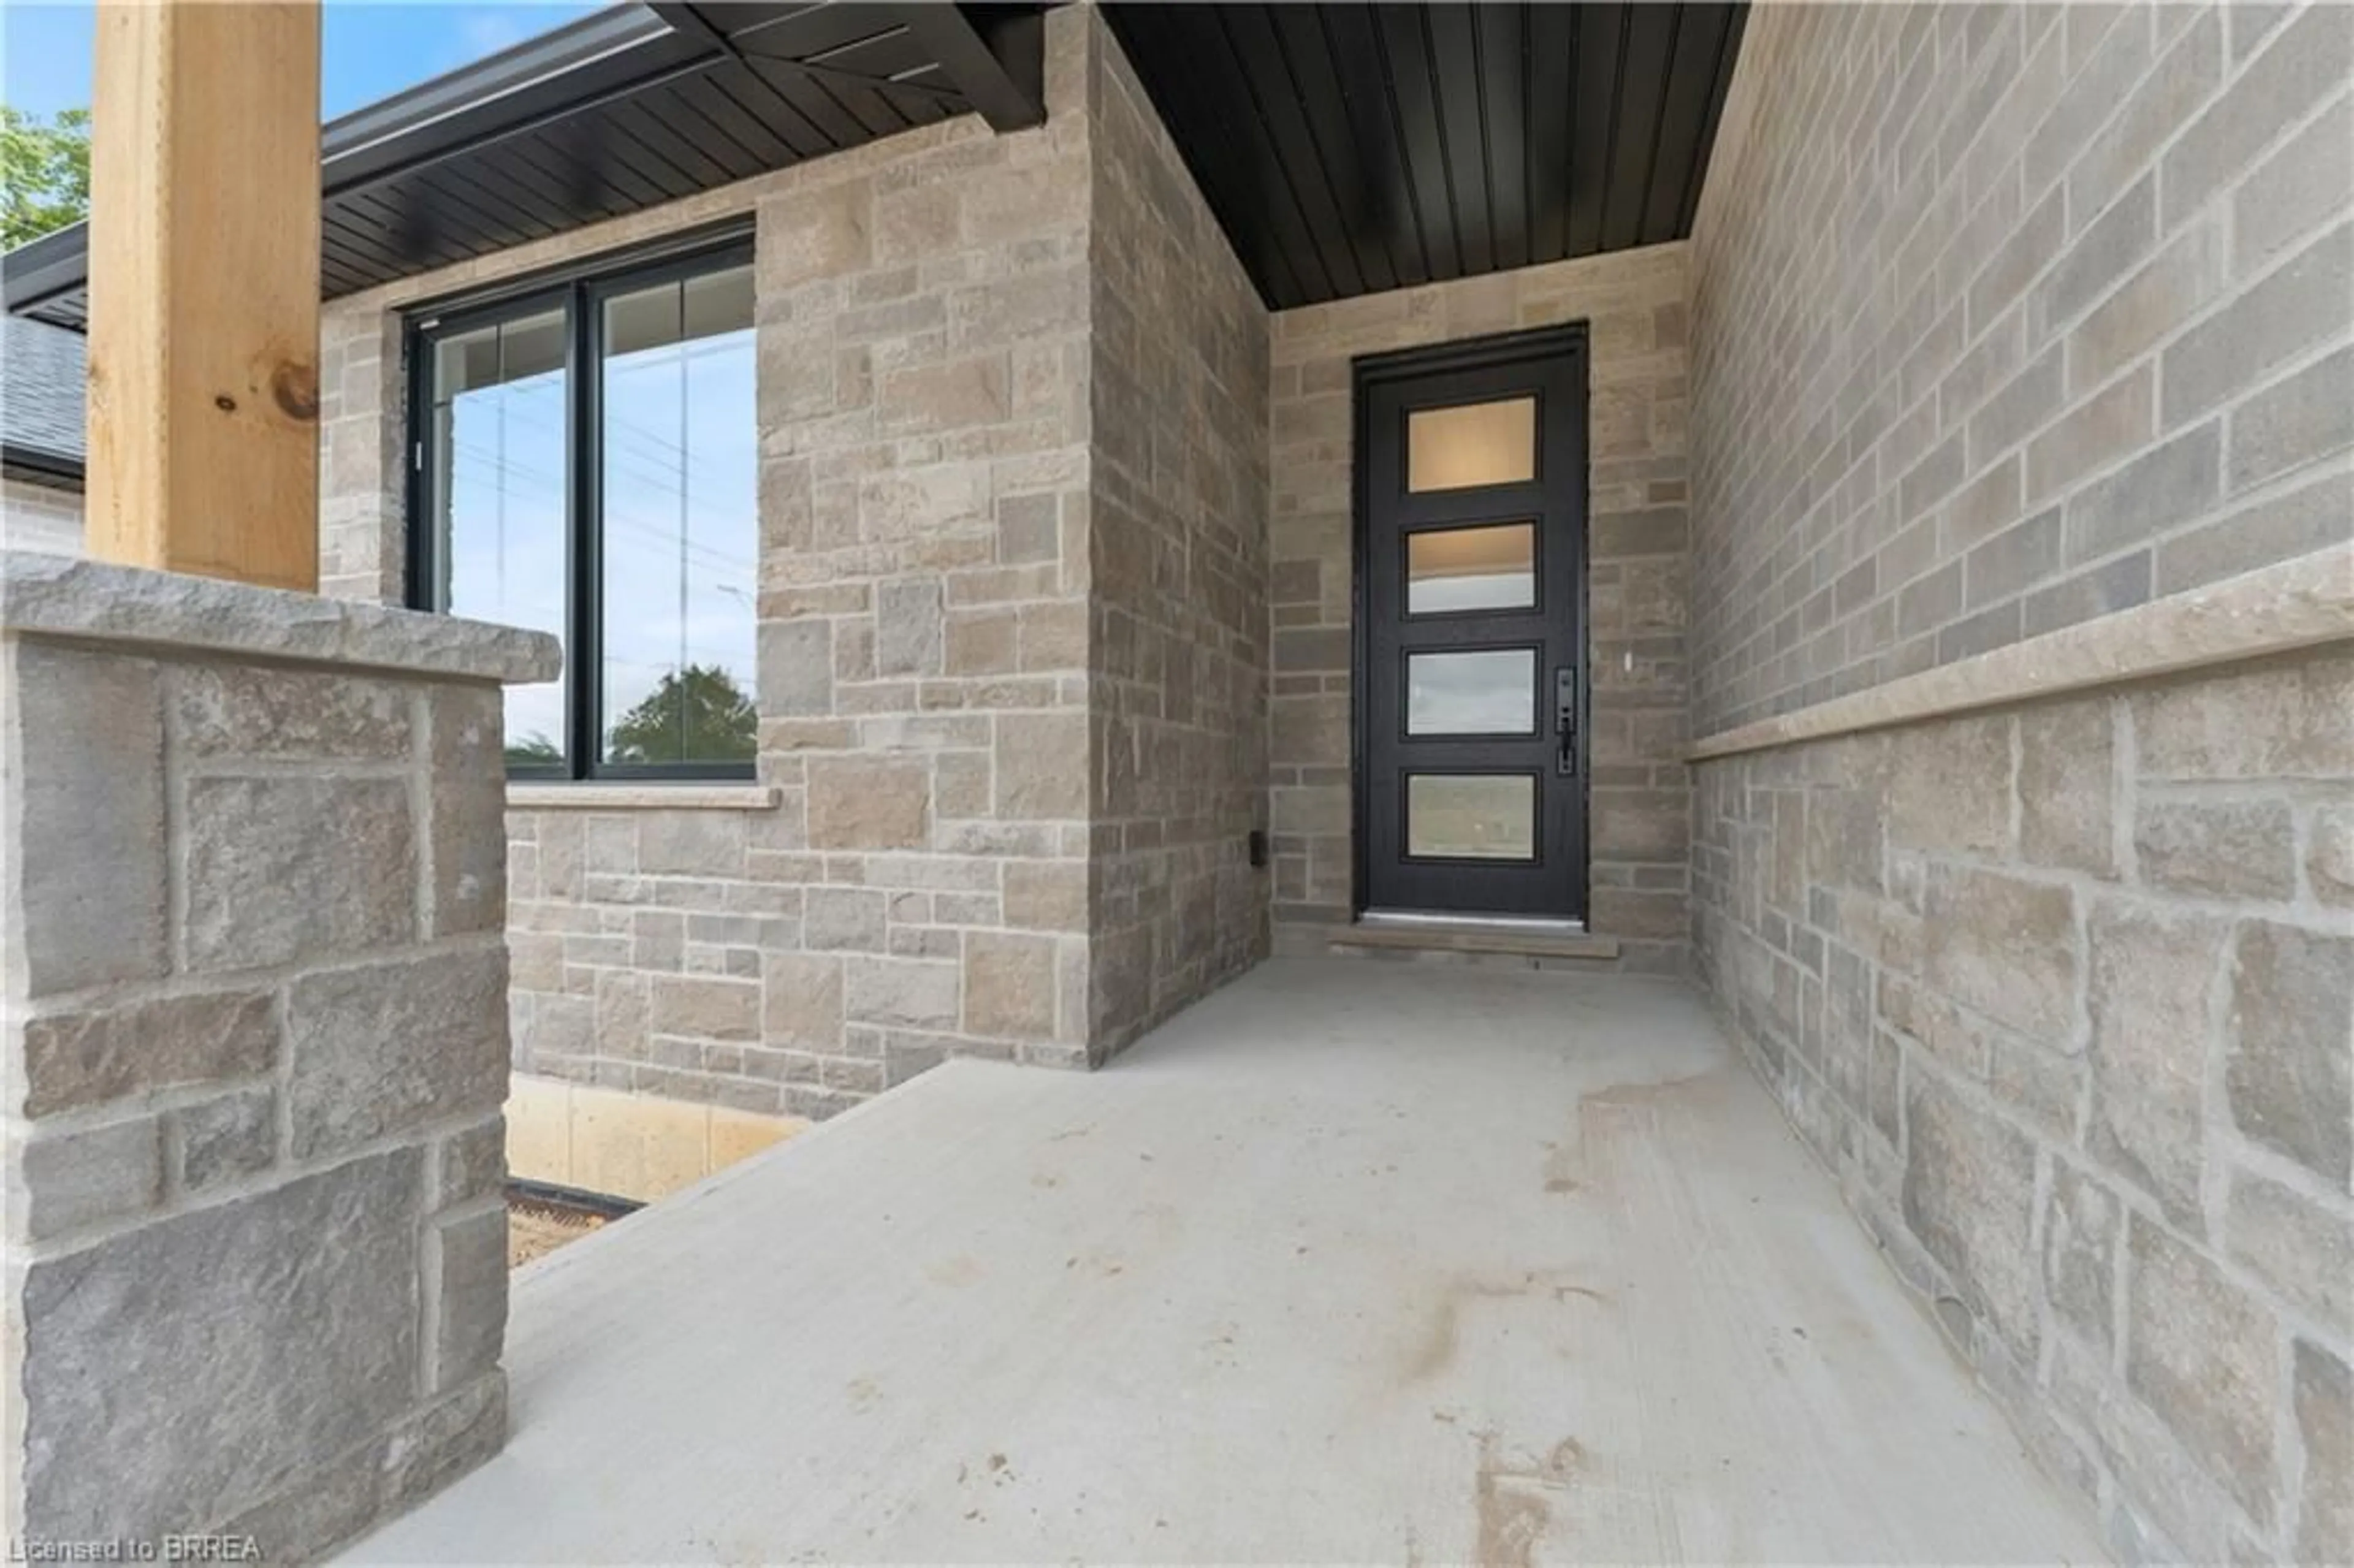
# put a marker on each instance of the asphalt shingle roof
(40, 390)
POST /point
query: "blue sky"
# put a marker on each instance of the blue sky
(371, 48)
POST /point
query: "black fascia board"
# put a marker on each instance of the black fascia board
(38, 465)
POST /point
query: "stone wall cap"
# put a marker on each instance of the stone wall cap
(2306, 601)
(66, 596)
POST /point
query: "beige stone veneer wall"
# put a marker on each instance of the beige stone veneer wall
(2004, 318)
(958, 728)
(1178, 642)
(1636, 540)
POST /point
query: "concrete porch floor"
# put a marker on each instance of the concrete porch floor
(1352, 1261)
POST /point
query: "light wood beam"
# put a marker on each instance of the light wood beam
(204, 290)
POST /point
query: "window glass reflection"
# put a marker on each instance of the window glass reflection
(1458, 816)
(678, 469)
(1490, 568)
(1492, 691)
(1472, 444)
(497, 500)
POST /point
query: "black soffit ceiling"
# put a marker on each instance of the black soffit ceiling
(1348, 149)
(635, 106)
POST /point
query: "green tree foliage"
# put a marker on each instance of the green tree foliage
(533, 750)
(44, 173)
(696, 714)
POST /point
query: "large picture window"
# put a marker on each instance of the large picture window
(588, 465)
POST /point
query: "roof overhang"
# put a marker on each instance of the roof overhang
(1346, 149)
(627, 109)
(33, 465)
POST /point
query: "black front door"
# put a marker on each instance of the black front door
(1471, 591)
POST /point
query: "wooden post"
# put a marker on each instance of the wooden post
(204, 290)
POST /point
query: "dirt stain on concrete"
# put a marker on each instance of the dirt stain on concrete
(1646, 1094)
(1513, 1520)
(1513, 1500)
(1442, 1334)
(1565, 1163)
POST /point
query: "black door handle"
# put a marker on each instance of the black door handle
(1565, 718)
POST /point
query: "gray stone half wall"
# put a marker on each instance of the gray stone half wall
(2017, 330)
(1638, 563)
(2063, 993)
(255, 1051)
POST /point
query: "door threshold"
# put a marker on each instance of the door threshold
(1555, 924)
(1397, 932)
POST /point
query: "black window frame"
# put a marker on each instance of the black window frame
(581, 292)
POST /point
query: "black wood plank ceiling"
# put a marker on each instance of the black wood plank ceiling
(1353, 148)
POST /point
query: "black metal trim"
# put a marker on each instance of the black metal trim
(690, 244)
(996, 61)
(48, 268)
(579, 291)
(1472, 353)
(605, 1205)
(38, 465)
(526, 64)
(583, 552)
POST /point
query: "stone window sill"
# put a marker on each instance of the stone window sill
(641, 797)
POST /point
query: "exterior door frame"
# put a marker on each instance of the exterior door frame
(1567, 340)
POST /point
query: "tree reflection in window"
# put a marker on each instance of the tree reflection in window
(590, 468)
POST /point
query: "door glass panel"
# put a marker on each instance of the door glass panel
(1492, 567)
(1471, 817)
(1476, 443)
(1490, 692)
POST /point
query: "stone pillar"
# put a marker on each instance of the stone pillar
(256, 1046)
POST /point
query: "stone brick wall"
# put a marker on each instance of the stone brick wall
(2007, 316)
(2065, 996)
(941, 688)
(39, 517)
(2005, 319)
(362, 435)
(1178, 574)
(256, 1046)
(1637, 550)
(923, 325)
